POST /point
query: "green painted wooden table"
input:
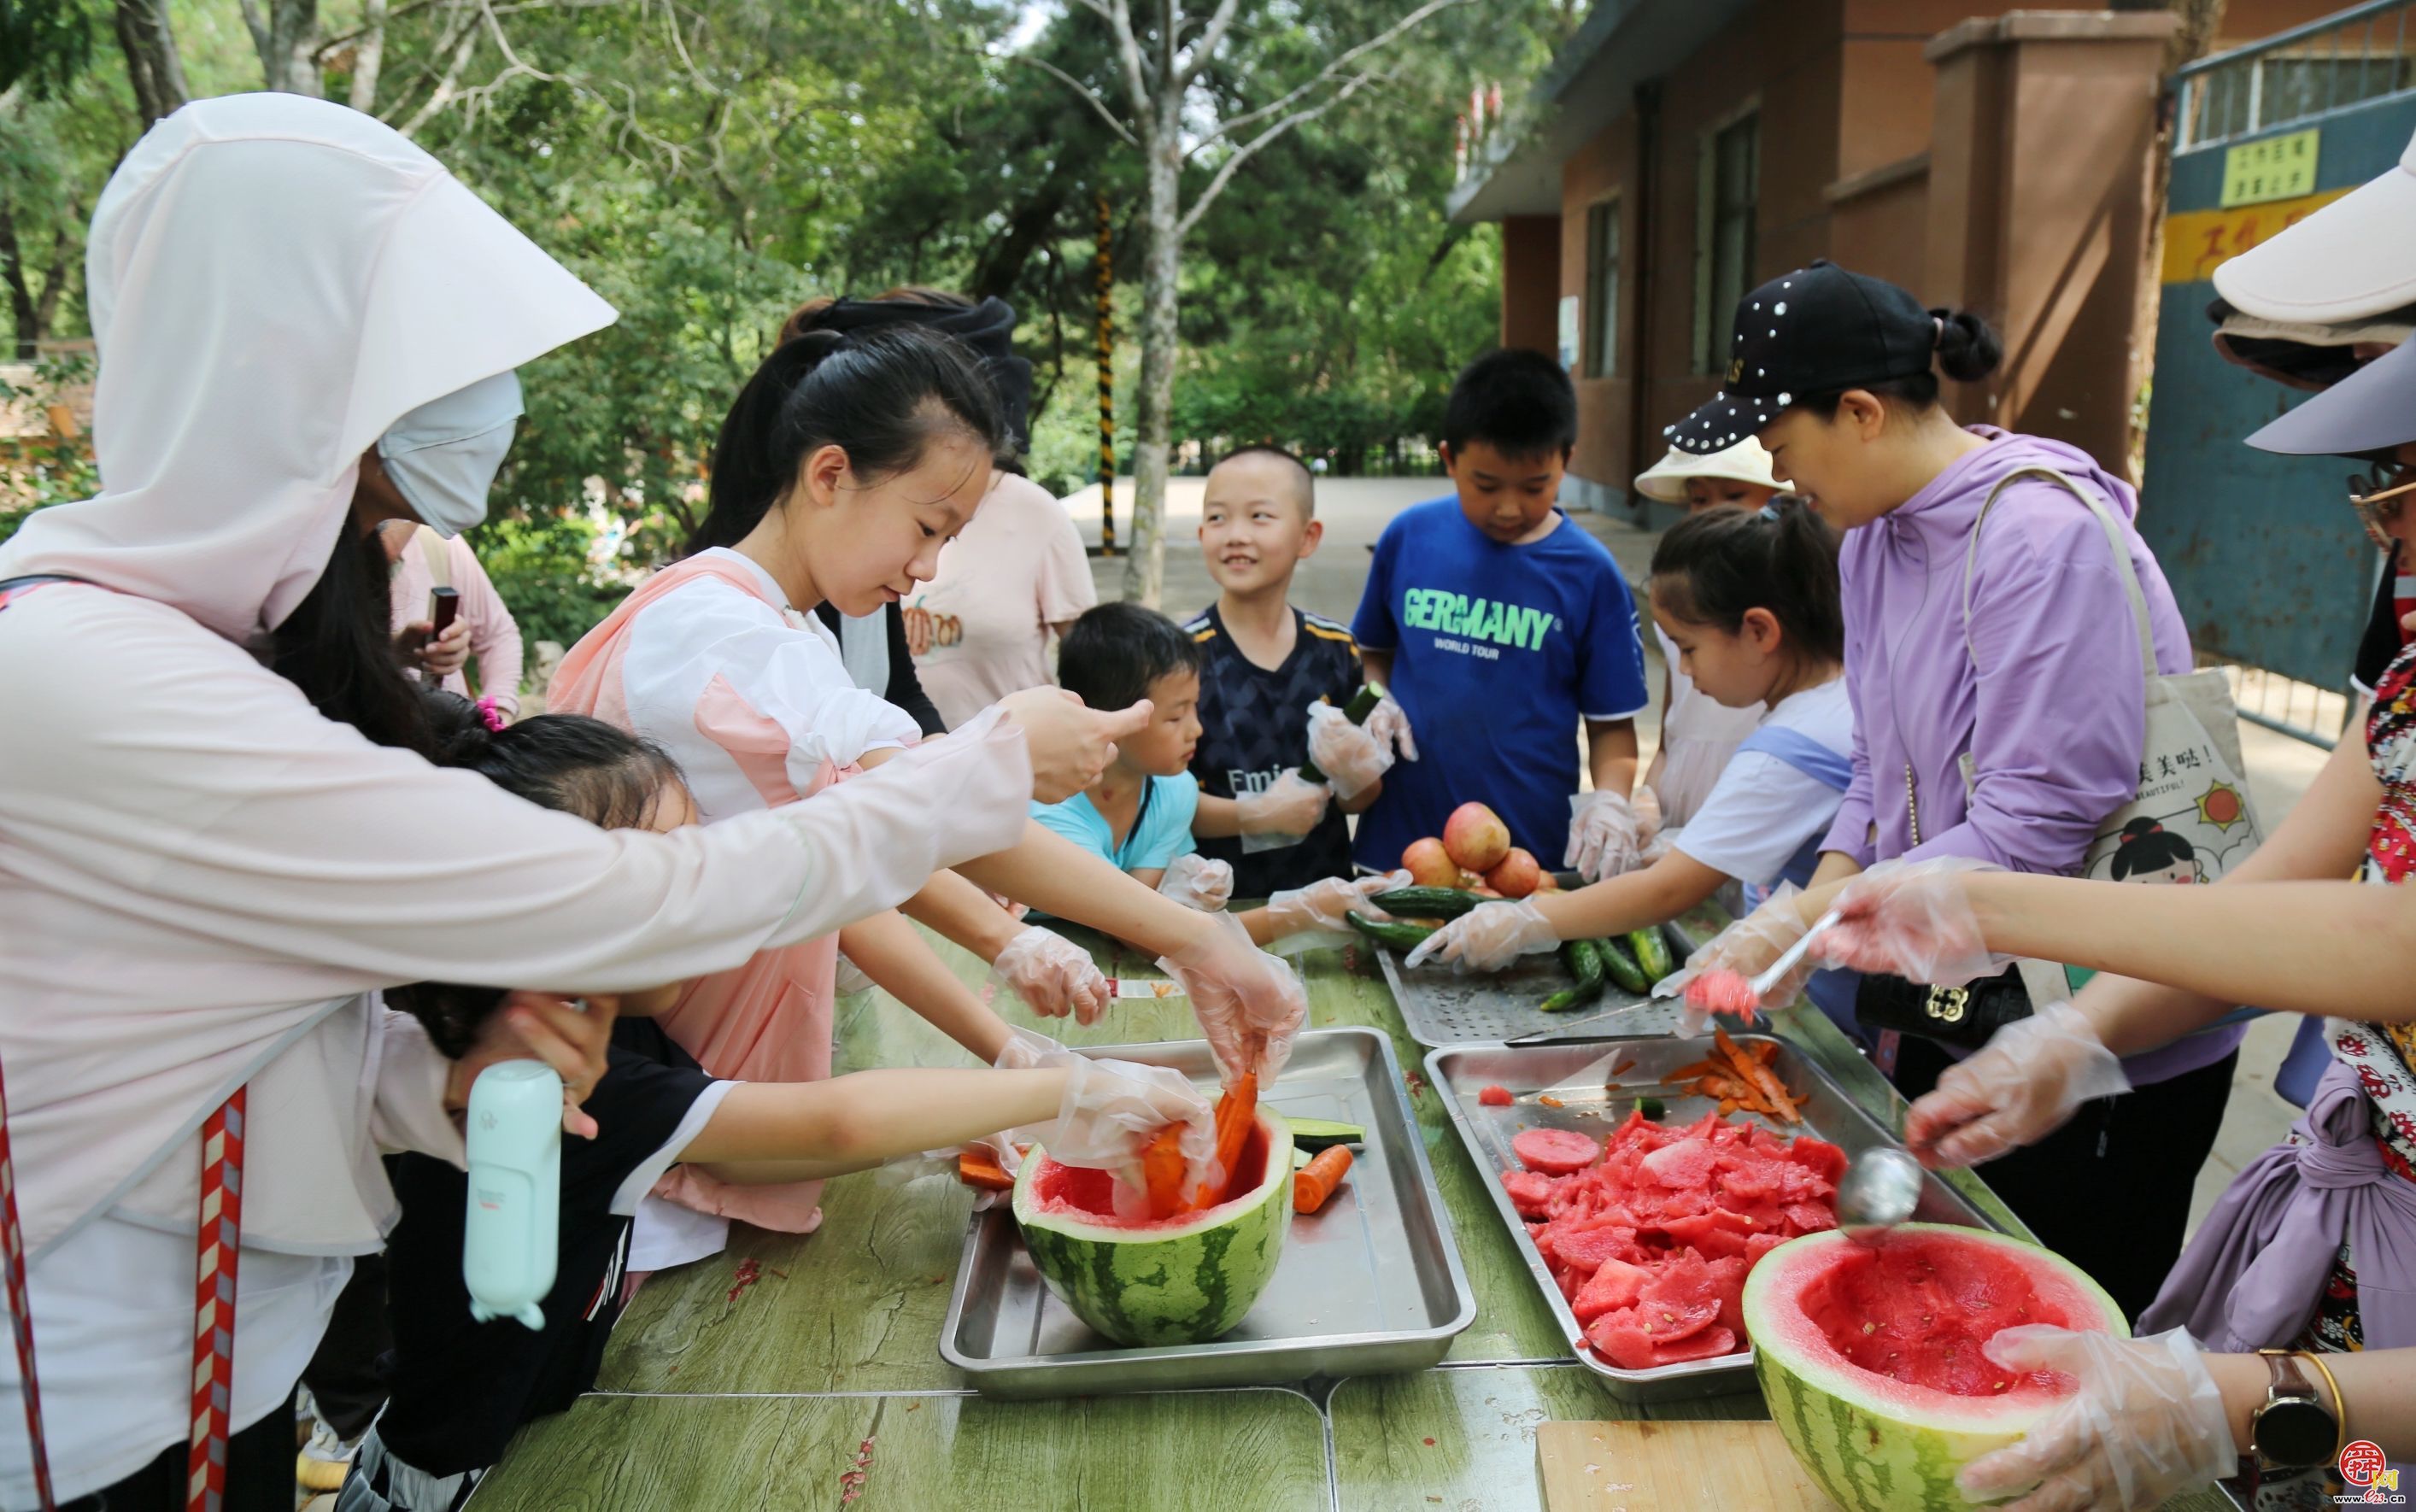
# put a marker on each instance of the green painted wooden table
(824, 1378)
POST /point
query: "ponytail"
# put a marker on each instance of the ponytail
(1967, 350)
(1713, 567)
(882, 396)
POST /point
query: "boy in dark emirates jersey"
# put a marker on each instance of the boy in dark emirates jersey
(1264, 666)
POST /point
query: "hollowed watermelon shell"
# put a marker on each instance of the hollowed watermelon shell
(1878, 1444)
(1181, 1281)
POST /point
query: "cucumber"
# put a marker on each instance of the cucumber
(1361, 704)
(1300, 1158)
(1651, 1109)
(1622, 967)
(1584, 960)
(1402, 937)
(1652, 954)
(1426, 902)
(1314, 1134)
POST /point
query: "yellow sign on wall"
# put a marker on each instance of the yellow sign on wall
(2277, 168)
(2195, 241)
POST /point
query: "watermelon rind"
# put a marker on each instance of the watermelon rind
(1870, 1453)
(1183, 1282)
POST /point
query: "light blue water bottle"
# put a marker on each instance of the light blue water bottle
(510, 1237)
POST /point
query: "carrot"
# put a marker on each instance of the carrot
(1550, 1101)
(1758, 1076)
(1626, 1063)
(1728, 1106)
(982, 1171)
(1766, 1051)
(1237, 1109)
(1314, 1183)
(1726, 1087)
(1161, 1172)
(1701, 1068)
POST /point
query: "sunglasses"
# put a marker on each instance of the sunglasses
(2377, 498)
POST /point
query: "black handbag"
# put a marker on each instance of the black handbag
(1962, 1017)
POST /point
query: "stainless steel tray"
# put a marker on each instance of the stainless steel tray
(1593, 1102)
(1442, 1008)
(1370, 1284)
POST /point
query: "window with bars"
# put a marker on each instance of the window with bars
(1602, 290)
(1729, 179)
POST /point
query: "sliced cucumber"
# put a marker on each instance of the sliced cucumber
(1315, 1134)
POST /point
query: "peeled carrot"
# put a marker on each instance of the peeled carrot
(1161, 1172)
(1237, 1109)
(1314, 1183)
(983, 1171)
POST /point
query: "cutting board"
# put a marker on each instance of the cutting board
(1671, 1466)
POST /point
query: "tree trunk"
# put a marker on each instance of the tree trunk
(25, 316)
(1152, 448)
(368, 54)
(287, 41)
(152, 61)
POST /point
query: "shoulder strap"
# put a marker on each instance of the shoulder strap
(431, 550)
(2113, 539)
(1801, 751)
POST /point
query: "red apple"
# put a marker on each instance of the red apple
(1517, 876)
(1428, 865)
(1476, 837)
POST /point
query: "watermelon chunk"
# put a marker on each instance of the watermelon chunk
(1496, 1096)
(1555, 1152)
(1528, 1190)
(1615, 1284)
(1708, 1345)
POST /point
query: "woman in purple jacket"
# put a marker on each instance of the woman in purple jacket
(2004, 727)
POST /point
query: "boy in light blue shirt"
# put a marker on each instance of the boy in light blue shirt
(1139, 814)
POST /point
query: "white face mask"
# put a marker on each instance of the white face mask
(442, 456)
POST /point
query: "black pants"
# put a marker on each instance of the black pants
(2110, 1191)
(260, 1474)
(346, 1375)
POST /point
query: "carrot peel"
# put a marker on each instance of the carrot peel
(1161, 1170)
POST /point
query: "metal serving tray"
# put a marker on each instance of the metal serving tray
(1442, 1008)
(1370, 1284)
(1593, 1102)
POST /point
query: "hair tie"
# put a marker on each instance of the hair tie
(1939, 337)
(1770, 511)
(492, 715)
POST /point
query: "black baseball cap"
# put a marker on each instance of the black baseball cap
(1815, 330)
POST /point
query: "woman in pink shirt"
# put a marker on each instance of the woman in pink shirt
(425, 560)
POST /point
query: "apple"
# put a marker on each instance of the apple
(1517, 876)
(1428, 865)
(1476, 838)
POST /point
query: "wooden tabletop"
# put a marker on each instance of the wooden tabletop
(823, 1376)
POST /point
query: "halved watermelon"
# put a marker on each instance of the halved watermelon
(1870, 1356)
(1180, 1281)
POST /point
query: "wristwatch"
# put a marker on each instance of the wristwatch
(2292, 1429)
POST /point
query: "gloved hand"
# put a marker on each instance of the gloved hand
(1281, 815)
(1914, 920)
(1351, 757)
(1319, 906)
(1604, 836)
(2031, 1075)
(1489, 938)
(1195, 882)
(1748, 947)
(1388, 725)
(1249, 1003)
(1053, 976)
(1645, 805)
(2147, 1423)
(849, 979)
(1111, 1108)
(911, 1168)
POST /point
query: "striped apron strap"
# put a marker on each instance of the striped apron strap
(214, 1284)
(12, 1254)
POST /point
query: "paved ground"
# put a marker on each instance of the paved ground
(1355, 511)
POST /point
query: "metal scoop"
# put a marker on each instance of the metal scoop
(1880, 1190)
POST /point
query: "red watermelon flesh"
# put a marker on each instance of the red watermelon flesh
(1496, 1096)
(1918, 1309)
(1555, 1152)
(1649, 1237)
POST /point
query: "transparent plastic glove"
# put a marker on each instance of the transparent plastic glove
(2034, 1074)
(911, 1168)
(1645, 805)
(1111, 1108)
(1249, 1003)
(1912, 919)
(1748, 947)
(1488, 938)
(1281, 815)
(1029, 1049)
(1053, 976)
(1351, 757)
(1319, 906)
(1603, 837)
(1388, 725)
(1195, 882)
(2147, 1423)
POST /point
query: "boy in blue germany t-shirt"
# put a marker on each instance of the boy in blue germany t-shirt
(1497, 625)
